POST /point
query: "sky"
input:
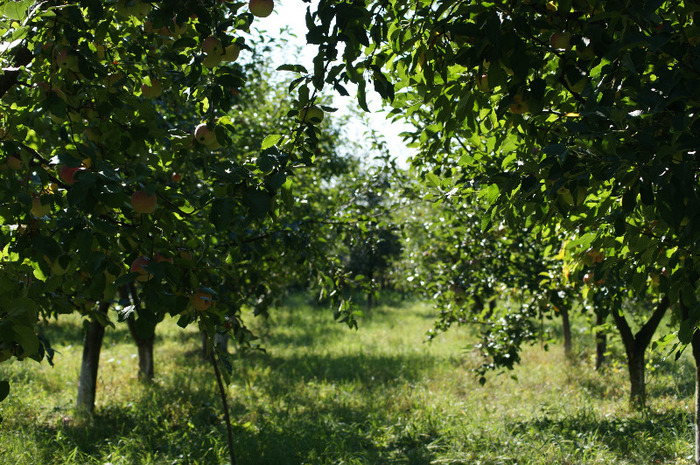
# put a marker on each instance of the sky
(290, 14)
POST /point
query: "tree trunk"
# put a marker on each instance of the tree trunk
(566, 330)
(636, 364)
(635, 347)
(143, 332)
(145, 349)
(87, 383)
(601, 343)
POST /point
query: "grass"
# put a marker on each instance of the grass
(324, 394)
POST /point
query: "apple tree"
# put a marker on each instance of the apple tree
(126, 174)
(577, 116)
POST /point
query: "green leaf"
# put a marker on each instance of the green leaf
(270, 141)
(16, 10)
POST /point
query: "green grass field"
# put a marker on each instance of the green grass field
(325, 394)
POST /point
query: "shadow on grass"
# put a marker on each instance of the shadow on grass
(641, 438)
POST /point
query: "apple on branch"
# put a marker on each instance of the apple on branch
(206, 136)
(137, 266)
(152, 91)
(201, 300)
(560, 41)
(231, 53)
(261, 8)
(312, 114)
(141, 202)
(66, 61)
(67, 174)
(14, 163)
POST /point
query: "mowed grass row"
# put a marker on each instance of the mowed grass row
(325, 394)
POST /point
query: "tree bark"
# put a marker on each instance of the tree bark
(87, 383)
(601, 343)
(145, 349)
(144, 344)
(636, 362)
(566, 330)
(635, 347)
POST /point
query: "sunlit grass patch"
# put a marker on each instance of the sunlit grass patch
(322, 393)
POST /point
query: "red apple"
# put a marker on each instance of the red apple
(176, 177)
(67, 174)
(212, 46)
(137, 267)
(159, 257)
(143, 203)
(261, 8)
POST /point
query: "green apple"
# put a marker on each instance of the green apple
(206, 136)
(312, 114)
(560, 41)
(143, 203)
(261, 8)
(66, 61)
(231, 53)
(212, 60)
(482, 83)
(152, 91)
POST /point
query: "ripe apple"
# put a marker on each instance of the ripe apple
(206, 136)
(159, 257)
(14, 163)
(143, 203)
(67, 173)
(519, 105)
(176, 177)
(231, 53)
(152, 91)
(66, 61)
(560, 41)
(39, 210)
(137, 267)
(312, 114)
(212, 46)
(201, 300)
(261, 8)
